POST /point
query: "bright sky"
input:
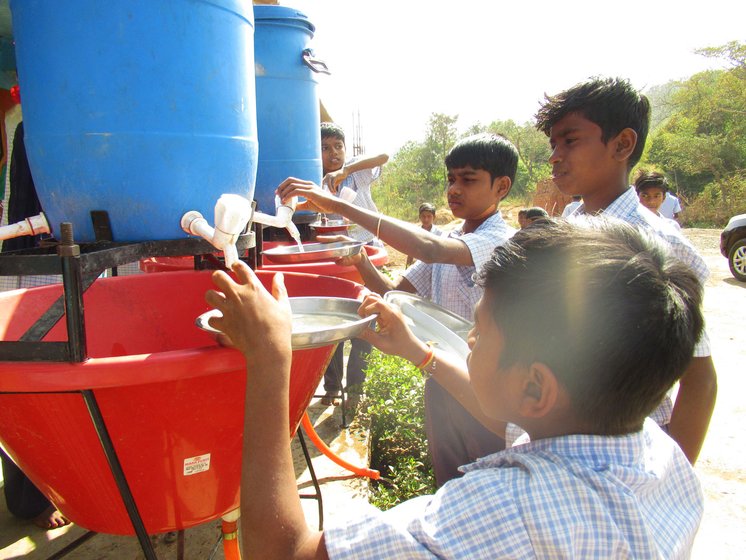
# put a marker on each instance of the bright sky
(398, 61)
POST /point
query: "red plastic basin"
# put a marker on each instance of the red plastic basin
(377, 255)
(170, 396)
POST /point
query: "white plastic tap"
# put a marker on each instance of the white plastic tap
(283, 217)
(232, 213)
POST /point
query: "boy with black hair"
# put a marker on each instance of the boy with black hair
(652, 188)
(352, 179)
(528, 216)
(481, 170)
(597, 131)
(597, 480)
(426, 213)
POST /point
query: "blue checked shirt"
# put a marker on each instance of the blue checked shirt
(452, 286)
(577, 496)
(627, 208)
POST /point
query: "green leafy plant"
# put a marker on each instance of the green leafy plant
(395, 410)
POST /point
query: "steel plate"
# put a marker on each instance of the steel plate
(313, 252)
(331, 225)
(317, 321)
(432, 323)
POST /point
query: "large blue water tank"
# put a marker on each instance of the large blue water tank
(142, 108)
(287, 100)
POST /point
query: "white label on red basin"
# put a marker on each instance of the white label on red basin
(198, 464)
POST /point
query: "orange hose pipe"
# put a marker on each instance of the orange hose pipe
(321, 446)
(230, 540)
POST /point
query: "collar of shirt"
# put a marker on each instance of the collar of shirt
(623, 205)
(496, 217)
(596, 450)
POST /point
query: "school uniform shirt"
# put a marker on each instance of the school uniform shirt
(575, 496)
(627, 208)
(570, 208)
(670, 207)
(452, 286)
(360, 182)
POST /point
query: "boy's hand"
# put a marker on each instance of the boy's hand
(257, 323)
(334, 178)
(317, 200)
(392, 335)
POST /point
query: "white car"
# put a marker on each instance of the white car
(733, 246)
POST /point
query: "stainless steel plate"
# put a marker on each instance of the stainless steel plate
(313, 252)
(447, 318)
(330, 226)
(317, 321)
(432, 323)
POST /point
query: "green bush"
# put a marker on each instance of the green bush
(395, 409)
(717, 202)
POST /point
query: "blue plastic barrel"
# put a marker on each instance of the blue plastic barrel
(142, 108)
(287, 100)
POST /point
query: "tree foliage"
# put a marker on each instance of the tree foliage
(701, 144)
(697, 138)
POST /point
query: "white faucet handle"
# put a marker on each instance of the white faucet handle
(232, 212)
(291, 203)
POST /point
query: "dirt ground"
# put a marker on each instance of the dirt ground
(722, 463)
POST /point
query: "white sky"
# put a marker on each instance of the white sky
(398, 61)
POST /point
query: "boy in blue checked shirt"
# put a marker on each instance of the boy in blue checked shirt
(597, 131)
(481, 170)
(598, 479)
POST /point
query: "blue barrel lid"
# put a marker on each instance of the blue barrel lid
(267, 13)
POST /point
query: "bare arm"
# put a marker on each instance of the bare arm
(694, 405)
(375, 280)
(402, 236)
(272, 520)
(335, 178)
(394, 337)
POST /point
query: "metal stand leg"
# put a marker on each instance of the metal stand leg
(180, 545)
(72, 546)
(118, 473)
(317, 488)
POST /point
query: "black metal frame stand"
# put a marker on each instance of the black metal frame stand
(316, 487)
(79, 266)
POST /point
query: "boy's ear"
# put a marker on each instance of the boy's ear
(502, 184)
(540, 391)
(624, 144)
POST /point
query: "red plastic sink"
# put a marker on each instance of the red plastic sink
(171, 398)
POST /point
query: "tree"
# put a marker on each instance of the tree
(702, 142)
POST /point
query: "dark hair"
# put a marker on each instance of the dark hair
(427, 207)
(332, 130)
(647, 180)
(491, 152)
(619, 316)
(611, 103)
(536, 212)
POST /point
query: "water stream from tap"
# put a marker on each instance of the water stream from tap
(295, 234)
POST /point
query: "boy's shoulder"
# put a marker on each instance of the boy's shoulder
(570, 496)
